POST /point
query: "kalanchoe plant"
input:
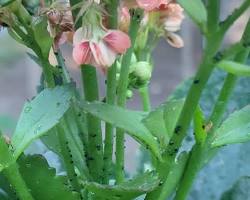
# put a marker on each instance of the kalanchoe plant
(117, 38)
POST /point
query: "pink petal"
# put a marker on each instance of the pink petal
(103, 55)
(117, 40)
(82, 53)
(148, 5)
(81, 34)
(172, 24)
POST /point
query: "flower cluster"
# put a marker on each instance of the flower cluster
(170, 17)
(96, 45)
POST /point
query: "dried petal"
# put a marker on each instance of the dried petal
(174, 40)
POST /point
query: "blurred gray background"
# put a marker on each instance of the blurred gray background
(19, 76)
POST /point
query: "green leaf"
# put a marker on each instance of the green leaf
(235, 129)
(42, 36)
(235, 68)
(74, 143)
(125, 119)
(42, 180)
(5, 2)
(155, 120)
(40, 115)
(6, 191)
(7, 124)
(128, 190)
(240, 190)
(6, 157)
(171, 114)
(196, 10)
(155, 123)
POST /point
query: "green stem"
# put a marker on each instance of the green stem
(200, 155)
(15, 178)
(145, 98)
(75, 11)
(112, 10)
(61, 64)
(95, 147)
(67, 157)
(108, 149)
(29, 38)
(193, 167)
(226, 24)
(12, 173)
(121, 94)
(213, 8)
(30, 42)
(48, 74)
(191, 102)
(225, 94)
(110, 97)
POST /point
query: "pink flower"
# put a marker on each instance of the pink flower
(117, 40)
(99, 49)
(104, 56)
(82, 53)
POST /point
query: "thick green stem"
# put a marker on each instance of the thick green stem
(200, 155)
(213, 8)
(110, 97)
(190, 173)
(95, 147)
(12, 173)
(48, 73)
(15, 179)
(191, 102)
(121, 94)
(145, 98)
(67, 157)
(108, 148)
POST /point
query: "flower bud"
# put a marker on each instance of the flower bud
(142, 70)
(118, 66)
(131, 67)
(118, 77)
(129, 94)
